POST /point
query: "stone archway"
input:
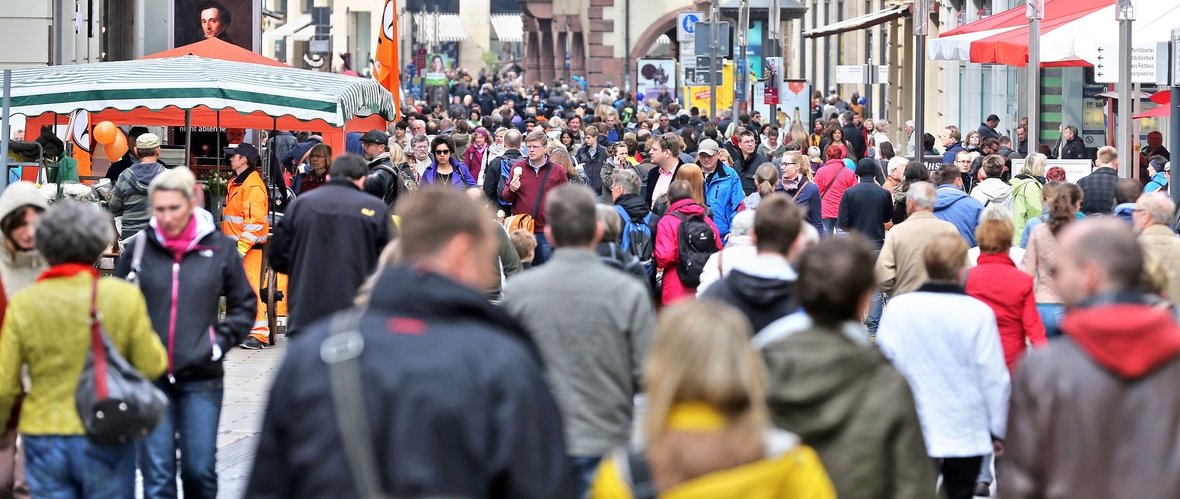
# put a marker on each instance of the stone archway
(644, 43)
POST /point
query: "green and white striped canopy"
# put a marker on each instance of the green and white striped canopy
(190, 81)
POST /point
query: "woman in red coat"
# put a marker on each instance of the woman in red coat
(667, 247)
(997, 282)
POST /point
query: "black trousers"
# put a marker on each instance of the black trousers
(959, 474)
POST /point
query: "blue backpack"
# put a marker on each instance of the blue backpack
(637, 238)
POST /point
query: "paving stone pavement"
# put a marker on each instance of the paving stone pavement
(248, 375)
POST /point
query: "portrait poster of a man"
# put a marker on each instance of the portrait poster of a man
(227, 20)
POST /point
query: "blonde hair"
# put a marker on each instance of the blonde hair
(1034, 165)
(612, 223)
(695, 177)
(179, 179)
(561, 157)
(396, 155)
(765, 177)
(701, 353)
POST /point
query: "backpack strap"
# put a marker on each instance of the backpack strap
(341, 351)
(623, 214)
(137, 258)
(639, 474)
(541, 190)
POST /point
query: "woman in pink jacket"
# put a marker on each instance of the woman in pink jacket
(667, 248)
(473, 158)
(833, 178)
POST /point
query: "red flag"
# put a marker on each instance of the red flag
(385, 66)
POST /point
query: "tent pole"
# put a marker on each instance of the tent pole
(1125, 15)
(1033, 72)
(921, 28)
(4, 129)
(188, 137)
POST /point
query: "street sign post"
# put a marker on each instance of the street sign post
(686, 25)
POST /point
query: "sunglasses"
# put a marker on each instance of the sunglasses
(442, 151)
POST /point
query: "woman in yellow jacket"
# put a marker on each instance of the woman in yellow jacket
(47, 327)
(707, 426)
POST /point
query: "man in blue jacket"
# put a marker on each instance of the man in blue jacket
(950, 140)
(954, 205)
(723, 187)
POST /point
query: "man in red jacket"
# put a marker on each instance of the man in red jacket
(529, 181)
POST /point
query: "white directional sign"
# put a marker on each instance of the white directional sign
(1144, 60)
(850, 74)
(686, 25)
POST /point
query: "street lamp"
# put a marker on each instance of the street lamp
(1034, 11)
(1124, 13)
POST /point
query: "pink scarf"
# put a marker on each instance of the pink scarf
(183, 241)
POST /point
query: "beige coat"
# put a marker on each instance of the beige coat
(899, 267)
(1162, 244)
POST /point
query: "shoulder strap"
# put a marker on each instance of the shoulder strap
(98, 353)
(341, 351)
(642, 485)
(799, 190)
(623, 214)
(541, 190)
(137, 258)
(824, 192)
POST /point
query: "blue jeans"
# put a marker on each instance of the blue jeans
(829, 228)
(875, 309)
(1051, 314)
(584, 469)
(73, 467)
(544, 250)
(193, 410)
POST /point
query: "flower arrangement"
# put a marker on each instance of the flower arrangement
(77, 192)
(215, 185)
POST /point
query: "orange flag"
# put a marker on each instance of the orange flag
(386, 68)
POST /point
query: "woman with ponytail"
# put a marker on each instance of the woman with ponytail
(765, 178)
(1040, 255)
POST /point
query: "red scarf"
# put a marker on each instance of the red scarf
(67, 270)
(183, 241)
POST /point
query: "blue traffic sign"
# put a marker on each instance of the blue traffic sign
(690, 23)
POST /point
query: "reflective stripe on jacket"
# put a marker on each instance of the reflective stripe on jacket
(244, 217)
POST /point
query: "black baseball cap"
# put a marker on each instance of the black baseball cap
(247, 150)
(375, 137)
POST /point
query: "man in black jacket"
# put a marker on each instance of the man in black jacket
(747, 160)
(452, 386)
(383, 180)
(1074, 147)
(763, 288)
(592, 155)
(328, 243)
(854, 134)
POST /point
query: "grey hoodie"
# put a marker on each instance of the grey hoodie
(847, 402)
(130, 198)
(20, 269)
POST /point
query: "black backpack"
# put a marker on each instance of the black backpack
(696, 242)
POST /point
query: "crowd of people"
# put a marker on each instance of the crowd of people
(539, 292)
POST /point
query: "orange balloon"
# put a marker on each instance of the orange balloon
(104, 133)
(117, 148)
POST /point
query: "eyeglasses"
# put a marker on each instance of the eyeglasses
(442, 151)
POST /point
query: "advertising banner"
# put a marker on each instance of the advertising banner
(654, 74)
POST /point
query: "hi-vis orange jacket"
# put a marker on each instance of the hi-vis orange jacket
(244, 217)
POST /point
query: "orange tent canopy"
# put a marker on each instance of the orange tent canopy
(202, 116)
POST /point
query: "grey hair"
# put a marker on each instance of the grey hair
(922, 194)
(612, 223)
(742, 224)
(627, 179)
(882, 124)
(418, 139)
(898, 163)
(73, 232)
(1158, 207)
(178, 179)
(995, 212)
